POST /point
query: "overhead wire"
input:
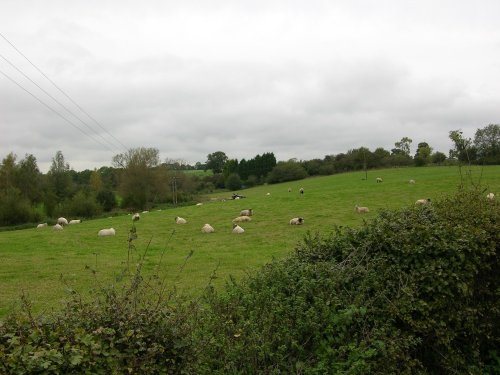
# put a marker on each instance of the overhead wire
(53, 110)
(62, 92)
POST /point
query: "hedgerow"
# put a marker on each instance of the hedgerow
(414, 291)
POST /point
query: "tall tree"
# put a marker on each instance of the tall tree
(216, 161)
(29, 178)
(403, 146)
(59, 177)
(487, 144)
(139, 180)
(8, 172)
(423, 154)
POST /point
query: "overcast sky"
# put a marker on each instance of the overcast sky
(302, 79)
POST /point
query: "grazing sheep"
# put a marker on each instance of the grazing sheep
(361, 210)
(42, 225)
(490, 196)
(301, 191)
(297, 221)
(58, 227)
(411, 181)
(62, 221)
(199, 204)
(74, 222)
(248, 212)
(242, 218)
(207, 228)
(268, 194)
(136, 216)
(423, 201)
(180, 220)
(378, 179)
(289, 190)
(145, 212)
(237, 229)
(106, 232)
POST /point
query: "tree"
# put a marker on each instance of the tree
(230, 167)
(423, 154)
(487, 144)
(286, 171)
(141, 177)
(8, 172)
(216, 161)
(403, 146)
(462, 147)
(29, 178)
(58, 177)
(95, 181)
(438, 157)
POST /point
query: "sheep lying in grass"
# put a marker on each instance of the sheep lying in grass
(207, 228)
(180, 220)
(297, 221)
(378, 179)
(242, 218)
(58, 227)
(490, 196)
(411, 181)
(248, 212)
(145, 211)
(71, 222)
(136, 216)
(42, 225)
(199, 204)
(106, 232)
(237, 229)
(361, 210)
(62, 221)
(423, 201)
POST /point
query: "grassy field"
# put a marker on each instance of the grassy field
(42, 263)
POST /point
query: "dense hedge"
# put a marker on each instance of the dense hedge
(414, 291)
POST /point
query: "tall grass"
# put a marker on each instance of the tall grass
(41, 262)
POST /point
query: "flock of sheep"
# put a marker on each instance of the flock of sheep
(245, 215)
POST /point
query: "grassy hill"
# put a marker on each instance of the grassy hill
(42, 263)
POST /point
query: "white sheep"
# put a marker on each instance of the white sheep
(42, 225)
(58, 227)
(268, 194)
(242, 218)
(136, 216)
(297, 221)
(248, 212)
(180, 220)
(207, 228)
(62, 221)
(74, 222)
(145, 212)
(378, 179)
(106, 232)
(411, 181)
(423, 201)
(237, 229)
(199, 204)
(490, 196)
(289, 190)
(301, 190)
(361, 210)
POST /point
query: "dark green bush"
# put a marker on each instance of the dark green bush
(414, 291)
(15, 209)
(233, 182)
(107, 199)
(286, 171)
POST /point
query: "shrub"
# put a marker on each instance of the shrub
(137, 329)
(15, 209)
(233, 182)
(286, 171)
(414, 291)
(107, 199)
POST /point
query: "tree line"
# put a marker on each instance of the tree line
(138, 179)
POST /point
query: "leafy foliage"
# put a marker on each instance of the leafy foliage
(416, 290)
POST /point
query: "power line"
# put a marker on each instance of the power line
(53, 110)
(54, 99)
(64, 93)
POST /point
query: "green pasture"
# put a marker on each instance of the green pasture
(42, 263)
